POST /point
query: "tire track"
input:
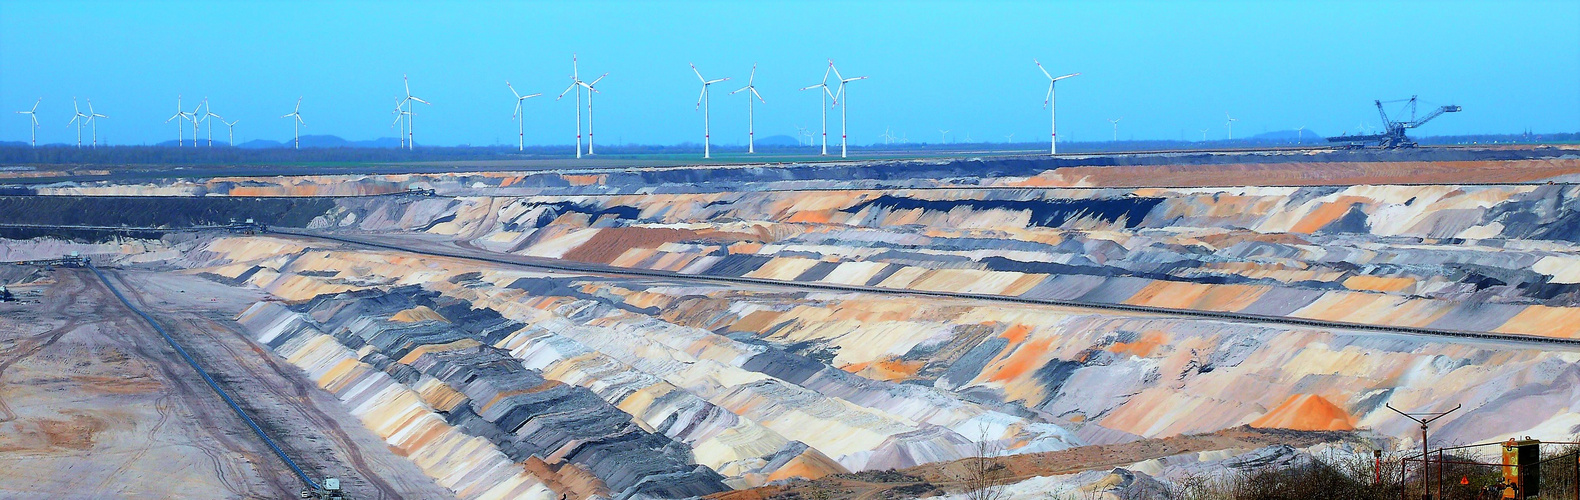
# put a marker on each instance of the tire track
(298, 397)
(221, 430)
(30, 346)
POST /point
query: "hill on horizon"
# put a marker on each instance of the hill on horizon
(308, 141)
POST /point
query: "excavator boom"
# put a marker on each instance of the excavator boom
(1393, 136)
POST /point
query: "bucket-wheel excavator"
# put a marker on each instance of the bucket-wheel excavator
(1393, 136)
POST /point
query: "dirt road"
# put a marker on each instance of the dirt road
(95, 404)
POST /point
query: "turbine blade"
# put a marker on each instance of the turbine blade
(1045, 100)
(596, 80)
(740, 89)
(699, 73)
(759, 96)
(753, 76)
(421, 101)
(711, 82)
(513, 90)
(1044, 70)
(567, 90)
(700, 96)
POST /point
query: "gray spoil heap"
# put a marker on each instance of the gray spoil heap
(523, 414)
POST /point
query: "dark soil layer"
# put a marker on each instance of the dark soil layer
(158, 212)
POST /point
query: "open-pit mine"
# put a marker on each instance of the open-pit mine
(1102, 327)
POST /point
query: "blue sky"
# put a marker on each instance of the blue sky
(1169, 69)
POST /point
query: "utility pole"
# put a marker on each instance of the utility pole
(1426, 469)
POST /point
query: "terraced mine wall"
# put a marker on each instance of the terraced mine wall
(1479, 258)
(762, 385)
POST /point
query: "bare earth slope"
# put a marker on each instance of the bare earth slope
(97, 405)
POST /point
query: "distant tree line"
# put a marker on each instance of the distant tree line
(13, 153)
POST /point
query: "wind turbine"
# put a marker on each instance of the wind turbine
(751, 130)
(299, 123)
(702, 101)
(410, 139)
(800, 132)
(1204, 134)
(1300, 134)
(33, 114)
(1229, 124)
(943, 137)
(575, 84)
(400, 117)
(887, 137)
(844, 111)
(521, 118)
(195, 117)
(1115, 121)
(1053, 135)
(79, 119)
(181, 113)
(1009, 139)
(590, 92)
(208, 117)
(93, 120)
(824, 100)
(232, 126)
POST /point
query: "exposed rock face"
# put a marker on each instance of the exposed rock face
(1488, 258)
(761, 385)
(501, 381)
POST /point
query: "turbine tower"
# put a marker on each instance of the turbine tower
(410, 139)
(702, 101)
(297, 114)
(1229, 124)
(1053, 124)
(79, 119)
(181, 113)
(209, 117)
(824, 102)
(576, 86)
(232, 126)
(195, 118)
(400, 117)
(751, 130)
(521, 145)
(844, 111)
(1115, 121)
(93, 120)
(590, 92)
(33, 114)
